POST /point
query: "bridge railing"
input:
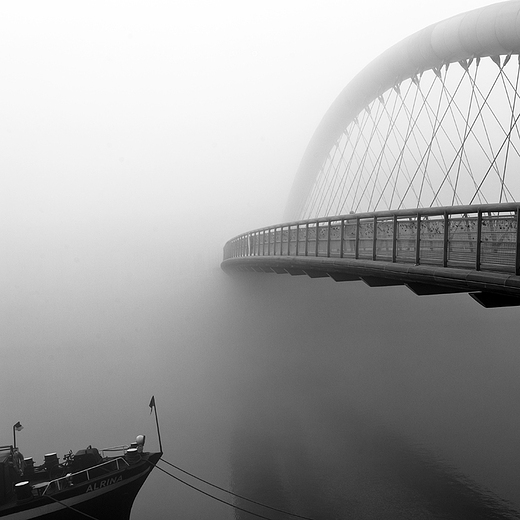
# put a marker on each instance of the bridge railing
(480, 237)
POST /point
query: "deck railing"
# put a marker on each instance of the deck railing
(480, 237)
(84, 475)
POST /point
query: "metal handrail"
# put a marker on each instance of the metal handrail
(57, 484)
(122, 448)
(481, 237)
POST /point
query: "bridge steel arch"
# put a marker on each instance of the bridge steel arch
(491, 31)
(465, 245)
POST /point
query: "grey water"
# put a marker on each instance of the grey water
(336, 401)
(340, 399)
(323, 399)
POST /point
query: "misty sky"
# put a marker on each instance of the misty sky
(137, 137)
(175, 109)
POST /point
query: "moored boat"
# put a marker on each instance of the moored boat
(89, 484)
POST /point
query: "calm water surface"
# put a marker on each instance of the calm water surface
(367, 405)
(372, 474)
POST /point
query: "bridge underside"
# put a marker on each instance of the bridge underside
(487, 288)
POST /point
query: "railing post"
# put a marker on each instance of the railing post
(307, 239)
(479, 239)
(357, 239)
(269, 242)
(418, 241)
(328, 240)
(317, 248)
(446, 240)
(517, 260)
(394, 241)
(341, 237)
(374, 240)
(297, 239)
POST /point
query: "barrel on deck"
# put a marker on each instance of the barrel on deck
(132, 456)
(23, 490)
(51, 460)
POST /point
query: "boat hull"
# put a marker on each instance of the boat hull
(103, 498)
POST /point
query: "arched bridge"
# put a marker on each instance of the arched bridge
(413, 175)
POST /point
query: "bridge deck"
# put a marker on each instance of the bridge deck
(433, 251)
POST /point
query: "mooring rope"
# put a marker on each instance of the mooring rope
(226, 491)
(86, 515)
(71, 508)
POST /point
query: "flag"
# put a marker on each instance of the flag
(18, 427)
(152, 403)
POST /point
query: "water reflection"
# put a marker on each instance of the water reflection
(367, 472)
(364, 404)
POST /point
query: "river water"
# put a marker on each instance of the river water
(330, 401)
(373, 403)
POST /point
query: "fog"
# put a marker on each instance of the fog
(136, 139)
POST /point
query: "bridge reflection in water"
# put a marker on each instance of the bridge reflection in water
(471, 249)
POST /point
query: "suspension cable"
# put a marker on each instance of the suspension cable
(503, 180)
(461, 147)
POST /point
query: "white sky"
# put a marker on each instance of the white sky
(176, 107)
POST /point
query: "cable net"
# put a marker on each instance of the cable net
(446, 137)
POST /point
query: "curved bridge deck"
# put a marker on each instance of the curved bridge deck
(472, 249)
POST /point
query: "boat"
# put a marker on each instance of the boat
(92, 483)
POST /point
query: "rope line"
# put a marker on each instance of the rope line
(86, 515)
(227, 491)
(213, 496)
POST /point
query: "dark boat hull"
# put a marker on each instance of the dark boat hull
(103, 498)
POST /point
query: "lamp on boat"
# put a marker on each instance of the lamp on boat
(16, 428)
(140, 442)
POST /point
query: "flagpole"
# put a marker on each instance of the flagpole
(158, 431)
(152, 403)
